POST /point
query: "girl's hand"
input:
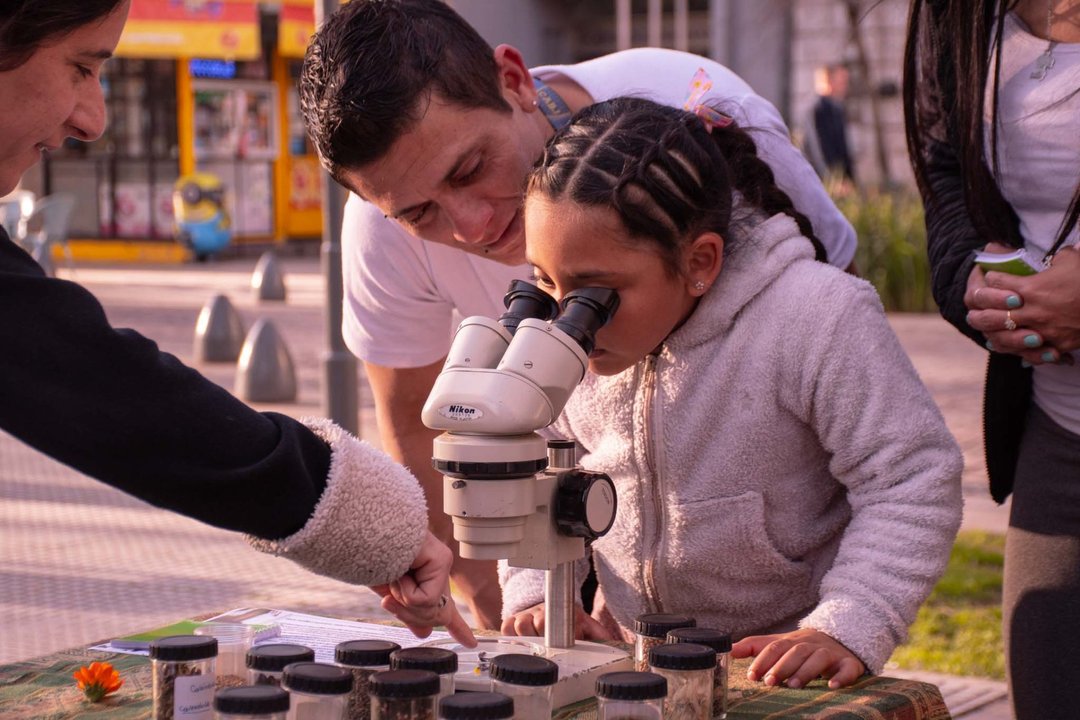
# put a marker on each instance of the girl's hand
(531, 622)
(1044, 307)
(421, 598)
(796, 658)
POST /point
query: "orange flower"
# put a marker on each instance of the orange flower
(98, 680)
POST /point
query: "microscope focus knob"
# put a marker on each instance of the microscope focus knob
(585, 504)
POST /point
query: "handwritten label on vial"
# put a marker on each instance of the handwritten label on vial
(194, 697)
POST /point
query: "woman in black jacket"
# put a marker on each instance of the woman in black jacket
(992, 104)
(107, 402)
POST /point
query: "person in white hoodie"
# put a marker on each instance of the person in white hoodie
(782, 473)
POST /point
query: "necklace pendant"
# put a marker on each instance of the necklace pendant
(1043, 63)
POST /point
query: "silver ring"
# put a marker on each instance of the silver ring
(1010, 324)
(442, 601)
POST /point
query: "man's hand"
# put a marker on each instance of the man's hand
(421, 597)
(796, 658)
(531, 622)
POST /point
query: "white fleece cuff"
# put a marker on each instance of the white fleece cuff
(844, 620)
(370, 521)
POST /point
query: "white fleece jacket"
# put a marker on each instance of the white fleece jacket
(779, 462)
(370, 521)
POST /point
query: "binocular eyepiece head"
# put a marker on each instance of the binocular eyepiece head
(524, 300)
(584, 311)
(581, 313)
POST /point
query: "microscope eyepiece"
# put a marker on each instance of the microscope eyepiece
(524, 300)
(584, 311)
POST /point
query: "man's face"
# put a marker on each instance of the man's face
(457, 178)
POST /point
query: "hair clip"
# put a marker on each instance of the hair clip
(700, 84)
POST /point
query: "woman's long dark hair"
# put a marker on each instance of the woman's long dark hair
(947, 53)
(662, 171)
(28, 24)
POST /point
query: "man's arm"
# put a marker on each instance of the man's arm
(399, 395)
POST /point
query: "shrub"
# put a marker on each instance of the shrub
(891, 253)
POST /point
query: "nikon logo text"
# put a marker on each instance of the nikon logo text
(460, 412)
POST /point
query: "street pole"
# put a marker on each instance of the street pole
(339, 365)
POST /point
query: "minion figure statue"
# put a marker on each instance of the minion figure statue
(202, 224)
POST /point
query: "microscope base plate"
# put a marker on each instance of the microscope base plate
(579, 666)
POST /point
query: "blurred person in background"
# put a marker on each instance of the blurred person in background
(107, 402)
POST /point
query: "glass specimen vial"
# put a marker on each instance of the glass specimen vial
(234, 640)
(631, 696)
(650, 630)
(688, 669)
(477, 706)
(318, 691)
(403, 695)
(363, 658)
(528, 680)
(440, 661)
(265, 663)
(251, 702)
(182, 677)
(719, 641)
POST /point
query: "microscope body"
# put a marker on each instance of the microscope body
(512, 494)
(509, 496)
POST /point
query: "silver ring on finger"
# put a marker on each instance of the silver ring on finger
(442, 601)
(1010, 324)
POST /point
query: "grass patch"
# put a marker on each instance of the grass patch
(958, 629)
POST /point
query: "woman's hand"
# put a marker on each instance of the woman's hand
(531, 622)
(1045, 309)
(421, 597)
(796, 658)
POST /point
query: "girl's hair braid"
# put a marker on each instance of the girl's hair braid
(661, 170)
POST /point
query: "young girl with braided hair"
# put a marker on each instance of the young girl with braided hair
(782, 473)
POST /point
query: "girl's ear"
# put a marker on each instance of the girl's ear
(704, 258)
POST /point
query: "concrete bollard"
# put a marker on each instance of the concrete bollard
(265, 372)
(268, 280)
(219, 332)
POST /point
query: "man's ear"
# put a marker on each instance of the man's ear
(515, 81)
(704, 258)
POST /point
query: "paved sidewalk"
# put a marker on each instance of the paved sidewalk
(80, 561)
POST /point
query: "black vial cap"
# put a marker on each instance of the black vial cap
(317, 678)
(364, 652)
(476, 706)
(252, 700)
(403, 684)
(660, 624)
(183, 647)
(437, 660)
(518, 669)
(631, 686)
(718, 640)
(682, 656)
(273, 657)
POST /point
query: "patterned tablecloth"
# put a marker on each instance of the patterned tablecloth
(43, 689)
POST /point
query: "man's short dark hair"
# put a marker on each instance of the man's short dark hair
(373, 67)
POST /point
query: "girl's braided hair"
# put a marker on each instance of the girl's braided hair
(662, 171)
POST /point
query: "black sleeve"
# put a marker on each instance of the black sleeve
(950, 231)
(107, 402)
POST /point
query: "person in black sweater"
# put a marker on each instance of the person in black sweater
(109, 403)
(992, 111)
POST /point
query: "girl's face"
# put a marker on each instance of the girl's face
(572, 246)
(54, 95)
